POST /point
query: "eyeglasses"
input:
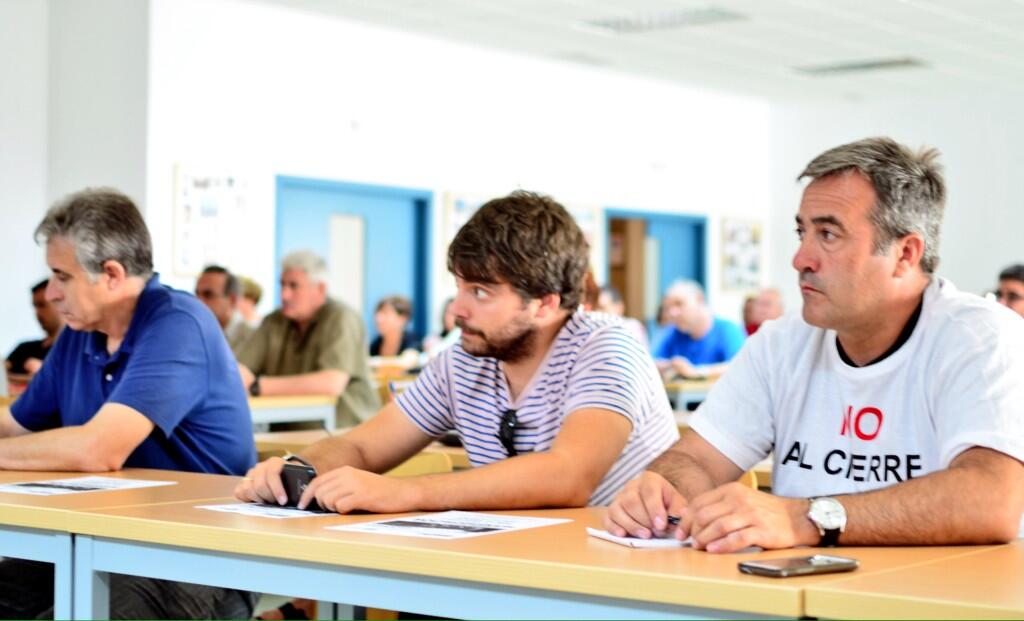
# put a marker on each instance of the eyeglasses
(1011, 297)
(507, 431)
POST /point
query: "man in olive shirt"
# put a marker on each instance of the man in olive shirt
(312, 345)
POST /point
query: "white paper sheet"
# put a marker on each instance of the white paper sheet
(449, 525)
(57, 487)
(257, 510)
(634, 542)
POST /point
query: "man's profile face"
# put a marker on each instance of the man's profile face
(843, 282)
(682, 310)
(78, 300)
(495, 321)
(1011, 295)
(46, 314)
(301, 298)
(210, 289)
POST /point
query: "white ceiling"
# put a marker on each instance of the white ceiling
(967, 46)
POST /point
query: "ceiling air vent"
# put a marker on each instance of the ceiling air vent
(863, 66)
(648, 22)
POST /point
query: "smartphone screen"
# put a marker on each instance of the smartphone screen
(799, 565)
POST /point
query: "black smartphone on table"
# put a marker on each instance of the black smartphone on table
(799, 565)
(296, 478)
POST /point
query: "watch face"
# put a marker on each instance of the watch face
(828, 513)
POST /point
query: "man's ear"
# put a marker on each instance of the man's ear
(550, 304)
(115, 273)
(909, 252)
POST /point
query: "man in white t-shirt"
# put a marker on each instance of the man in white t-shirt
(894, 407)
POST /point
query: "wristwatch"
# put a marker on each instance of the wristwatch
(829, 515)
(254, 387)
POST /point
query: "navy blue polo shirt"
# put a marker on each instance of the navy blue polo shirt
(174, 366)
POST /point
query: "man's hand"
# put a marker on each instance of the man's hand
(348, 489)
(32, 366)
(263, 483)
(684, 368)
(643, 506)
(246, 375)
(734, 516)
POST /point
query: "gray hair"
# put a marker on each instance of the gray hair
(308, 262)
(104, 225)
(689, 289)
(910, 188)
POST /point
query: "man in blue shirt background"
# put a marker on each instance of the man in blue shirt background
(697, 344)
(142, 377)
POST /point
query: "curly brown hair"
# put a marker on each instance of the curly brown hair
(527, 240)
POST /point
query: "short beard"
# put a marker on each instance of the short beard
(504, 348)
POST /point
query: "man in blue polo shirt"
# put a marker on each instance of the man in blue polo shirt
(697, 344)
(142, 377)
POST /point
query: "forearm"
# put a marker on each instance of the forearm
(523, 482)
(683, 472)
(67, 448)
(713, 370)
(974, 503)
(336, 452)
(327, 382)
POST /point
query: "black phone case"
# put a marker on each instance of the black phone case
(295, 478)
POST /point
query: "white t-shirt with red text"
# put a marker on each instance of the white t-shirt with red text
(957, 383)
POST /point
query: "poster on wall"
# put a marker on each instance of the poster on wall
(741, 255)
(208, 209)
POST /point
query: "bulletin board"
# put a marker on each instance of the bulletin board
(742, 242)
(210, 210)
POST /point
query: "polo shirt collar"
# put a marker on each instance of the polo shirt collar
(96, 346)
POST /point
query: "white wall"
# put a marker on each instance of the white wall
(23, 134)
(982, 145)
(257, 91)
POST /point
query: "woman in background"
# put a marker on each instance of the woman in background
(392, 319)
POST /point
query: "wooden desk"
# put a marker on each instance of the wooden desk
(985, 584)
(40, 528)
(549, 572)
(689, 391)
(291, 409)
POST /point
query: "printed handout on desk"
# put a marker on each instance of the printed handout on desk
(450, 525)
(57, 487)
(635, 542)
(257, 510)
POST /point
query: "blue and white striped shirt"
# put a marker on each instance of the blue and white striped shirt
(594, 362)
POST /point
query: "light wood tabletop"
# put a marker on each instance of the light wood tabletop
(56, 512)
(555, 558)
(984, 584)
(290, 401)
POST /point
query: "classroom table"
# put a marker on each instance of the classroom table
(293, 408)
(549, 572)
(688, 392)
(40, 528)
(985, 584)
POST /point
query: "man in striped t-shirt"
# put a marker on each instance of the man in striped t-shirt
(556, 407)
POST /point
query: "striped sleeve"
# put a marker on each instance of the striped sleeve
(426, 402)
(610, 374)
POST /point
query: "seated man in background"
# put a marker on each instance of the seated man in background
(27, 358)
(1011, 288)
(219, 289)
(698, 344)
(894, 405)
(555, 407)
(764, 306)
(311, 346)
(392, 318)
(141, 377)
(610, 301)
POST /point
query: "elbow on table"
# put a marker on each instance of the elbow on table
(98, 456)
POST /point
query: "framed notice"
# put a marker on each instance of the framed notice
(209, 211)
(741, 254)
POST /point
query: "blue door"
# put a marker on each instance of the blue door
(679, 244)
(394, 237)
